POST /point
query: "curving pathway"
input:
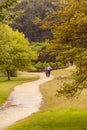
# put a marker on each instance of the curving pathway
(23, 101)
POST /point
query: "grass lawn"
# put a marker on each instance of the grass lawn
(7, 86)
(57, 113)
(54, 120)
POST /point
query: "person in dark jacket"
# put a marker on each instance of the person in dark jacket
(47, 71)
(71, 62)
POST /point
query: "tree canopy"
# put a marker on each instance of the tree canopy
(7, 13)
(68, 26)
(15, 52)
(33, 9)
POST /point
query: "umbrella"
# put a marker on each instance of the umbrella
(48, 68)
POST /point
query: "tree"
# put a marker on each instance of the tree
(68, 26)
(72, 31)
(15, 52)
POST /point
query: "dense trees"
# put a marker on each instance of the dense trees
(26, 22)
(6, 10)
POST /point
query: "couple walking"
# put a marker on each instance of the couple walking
(47, 71)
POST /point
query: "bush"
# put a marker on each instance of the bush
(13, 73)
(41, 66)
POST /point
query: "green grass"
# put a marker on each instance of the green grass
(54, 120)
(58, 113)
(7, 86)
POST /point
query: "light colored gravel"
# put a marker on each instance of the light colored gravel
(22, 102)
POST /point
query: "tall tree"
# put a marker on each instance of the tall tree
(68, 26)
(15, 52)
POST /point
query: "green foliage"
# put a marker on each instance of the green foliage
(40, 66)
(46, 56)
(33, 11)
(68, 26)
(13, 73)
(37, 46)
(80, 78)
(6, 10)
(15, 52)
(73, 31)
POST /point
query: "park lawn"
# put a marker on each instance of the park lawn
(57, 113)
(7, 86)
(69, 119)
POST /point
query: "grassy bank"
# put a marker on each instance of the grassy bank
(58, 113)
(54, 120)
(7, 86)
(49, 90)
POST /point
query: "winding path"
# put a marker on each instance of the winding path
(23, 101)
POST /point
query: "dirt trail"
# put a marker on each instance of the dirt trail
(22, 102)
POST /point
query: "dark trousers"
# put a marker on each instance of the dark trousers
(47, 73)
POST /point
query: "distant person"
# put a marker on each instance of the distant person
(71, 62)
(47, 71)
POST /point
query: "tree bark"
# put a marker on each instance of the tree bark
(8, 74)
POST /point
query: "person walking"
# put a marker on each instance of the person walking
(47, 71)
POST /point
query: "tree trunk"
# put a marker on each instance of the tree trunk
(8, 74)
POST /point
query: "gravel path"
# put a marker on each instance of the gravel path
(23, 101)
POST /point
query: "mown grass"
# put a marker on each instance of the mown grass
(58, 113)
(7, 86)
(54, 120)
